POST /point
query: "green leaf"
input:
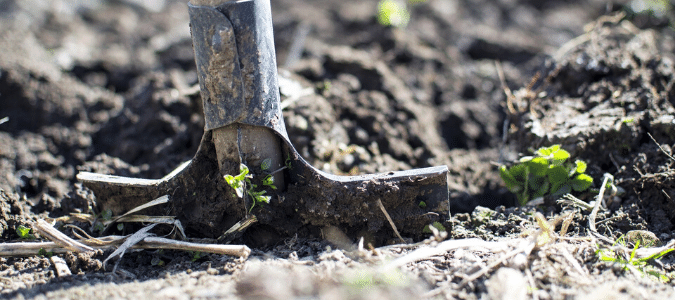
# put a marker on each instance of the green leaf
(120, 226)
(557, 175)
(546, 151)
(436, 225)
(538, 166)
(560, 156)
(509, 181)
(562, 190)
(236, 184)
(243, 171)
(263, 198)
(44, 253)
(24, 232)
(519, 172)
(580, 166)
(265, 165)
(581, 182)
(269, 181)
(541, 189)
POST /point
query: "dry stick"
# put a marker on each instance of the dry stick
(162, 243)
(662, 150)
(47, 230)
(594, 213)
(128, 242)
(391, 222)
(567, 255)
(598, 200)
(32, 249)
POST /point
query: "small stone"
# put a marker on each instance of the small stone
(507, 283)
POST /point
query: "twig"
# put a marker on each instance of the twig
(598, 200)
(237, 229)
(662, 150)
(569, 199)
(128, 242)
(45, 229)
(163, 243)
(391, 222)
(32, 249)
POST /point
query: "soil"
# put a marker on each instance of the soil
(109, 87)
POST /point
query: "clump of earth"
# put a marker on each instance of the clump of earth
(111, 87)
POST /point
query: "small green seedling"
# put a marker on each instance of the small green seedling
(105, 215)
(242, 182)
(546, 173)
(24, 233)
(392, 13)
(42, 252)
(436, 225)
(640, 264)
(288, 162)
(196, 255)
(156, 261)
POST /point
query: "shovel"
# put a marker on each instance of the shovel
(236, 63)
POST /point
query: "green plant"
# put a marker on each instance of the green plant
(642, 265)
(242, 182)
(196, 255)
(24, 233)
(156, 261)
(288, 162)
(546, 173)
(436, 225)
(105, 215)
(42, 252)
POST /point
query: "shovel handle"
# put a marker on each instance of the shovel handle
(236, 63)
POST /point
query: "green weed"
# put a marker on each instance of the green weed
(546, 173)
(436, 225)
(196, 255)
(24, 233)
(105, 215)
(42, 252)
(640, 264)
(242, 182)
